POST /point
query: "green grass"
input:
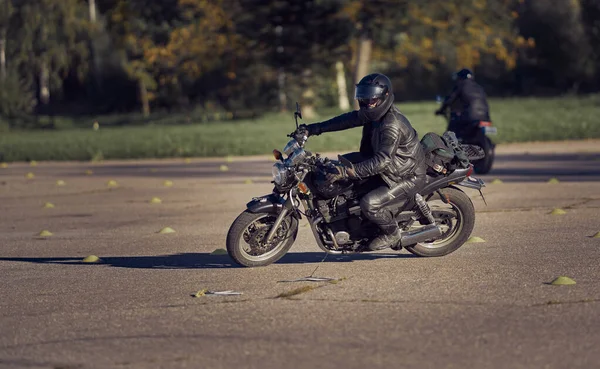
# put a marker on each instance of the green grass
(517, 119)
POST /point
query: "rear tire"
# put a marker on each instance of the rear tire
(484, 165)
(457, 236)
(235, 239)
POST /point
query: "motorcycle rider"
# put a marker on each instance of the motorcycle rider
(472, 104)
(389, 148)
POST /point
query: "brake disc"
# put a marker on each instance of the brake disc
(257, 237)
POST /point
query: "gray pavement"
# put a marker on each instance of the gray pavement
(488, 305)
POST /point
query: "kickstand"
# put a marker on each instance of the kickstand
(318, 265)
(481, 193)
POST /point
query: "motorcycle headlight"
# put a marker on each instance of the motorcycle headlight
(279, 172)
(297, 156)
(291, 147)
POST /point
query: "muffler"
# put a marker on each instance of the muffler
(426, 233)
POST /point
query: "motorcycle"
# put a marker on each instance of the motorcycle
(479, 136)
(439, 220)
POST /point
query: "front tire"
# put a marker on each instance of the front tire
(457, 229)
(244, 239)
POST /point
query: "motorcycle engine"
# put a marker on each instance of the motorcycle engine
(342, 215)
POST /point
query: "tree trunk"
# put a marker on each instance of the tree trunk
(308, 96)
(341, 84)
(92, 7)
(96, 63)
(7, 12)
(44, 84)
(363, 59)
(281, 87)
(3, 56)
(144, 98)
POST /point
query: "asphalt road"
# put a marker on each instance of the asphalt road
(488, 305)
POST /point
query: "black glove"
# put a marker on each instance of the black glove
(300, 133)
(340, 172)
(440, 111)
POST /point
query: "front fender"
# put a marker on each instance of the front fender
(266, 204)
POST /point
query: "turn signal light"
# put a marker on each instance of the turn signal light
(277, 154)
(303, 188)
(470, 170)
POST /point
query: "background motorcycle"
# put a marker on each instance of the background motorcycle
(477, 135)
(439, 220)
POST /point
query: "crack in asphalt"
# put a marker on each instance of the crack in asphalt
(68, 194)
(517, 210)
(551, 302)
(380, 301)
(583, 201)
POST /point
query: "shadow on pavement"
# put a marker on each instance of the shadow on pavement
(202, 260)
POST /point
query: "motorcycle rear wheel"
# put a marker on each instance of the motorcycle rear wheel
(457, 229)
(483, 166)
(245, 239)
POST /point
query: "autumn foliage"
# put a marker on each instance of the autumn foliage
(235, 55)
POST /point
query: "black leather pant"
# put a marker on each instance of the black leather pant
(377, 205)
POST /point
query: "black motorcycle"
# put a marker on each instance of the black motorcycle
(478, 135)
(440, 219)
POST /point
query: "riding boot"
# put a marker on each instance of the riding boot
(384, 241)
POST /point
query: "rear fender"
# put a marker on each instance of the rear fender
(444, 198)
(454, 178)
(472, 182)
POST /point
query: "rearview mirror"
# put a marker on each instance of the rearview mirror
(298, 113)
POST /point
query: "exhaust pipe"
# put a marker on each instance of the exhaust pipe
(426, 233)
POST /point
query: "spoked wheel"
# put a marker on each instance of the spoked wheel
(246, 239)
(455, 215)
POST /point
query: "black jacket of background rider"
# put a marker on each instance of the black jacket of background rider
(471, 99)
(391, 145)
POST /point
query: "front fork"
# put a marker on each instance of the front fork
(288, 207)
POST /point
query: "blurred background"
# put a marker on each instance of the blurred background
(101, 79)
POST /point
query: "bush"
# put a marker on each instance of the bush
(16, 100)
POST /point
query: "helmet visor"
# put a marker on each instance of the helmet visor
(369, 96)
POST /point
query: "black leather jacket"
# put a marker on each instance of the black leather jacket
(472, 101)
(391, 144)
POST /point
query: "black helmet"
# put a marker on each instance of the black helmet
(463, 74)
(374, 95)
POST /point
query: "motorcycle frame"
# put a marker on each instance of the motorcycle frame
(287, 203)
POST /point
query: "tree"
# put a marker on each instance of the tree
(372, 23)
(300, 41)
(6, 10)
(48, 40)
(590, 16)
(458, 33)
(562, 55)
(164, 43)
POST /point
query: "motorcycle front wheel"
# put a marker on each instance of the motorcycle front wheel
(245, 239)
